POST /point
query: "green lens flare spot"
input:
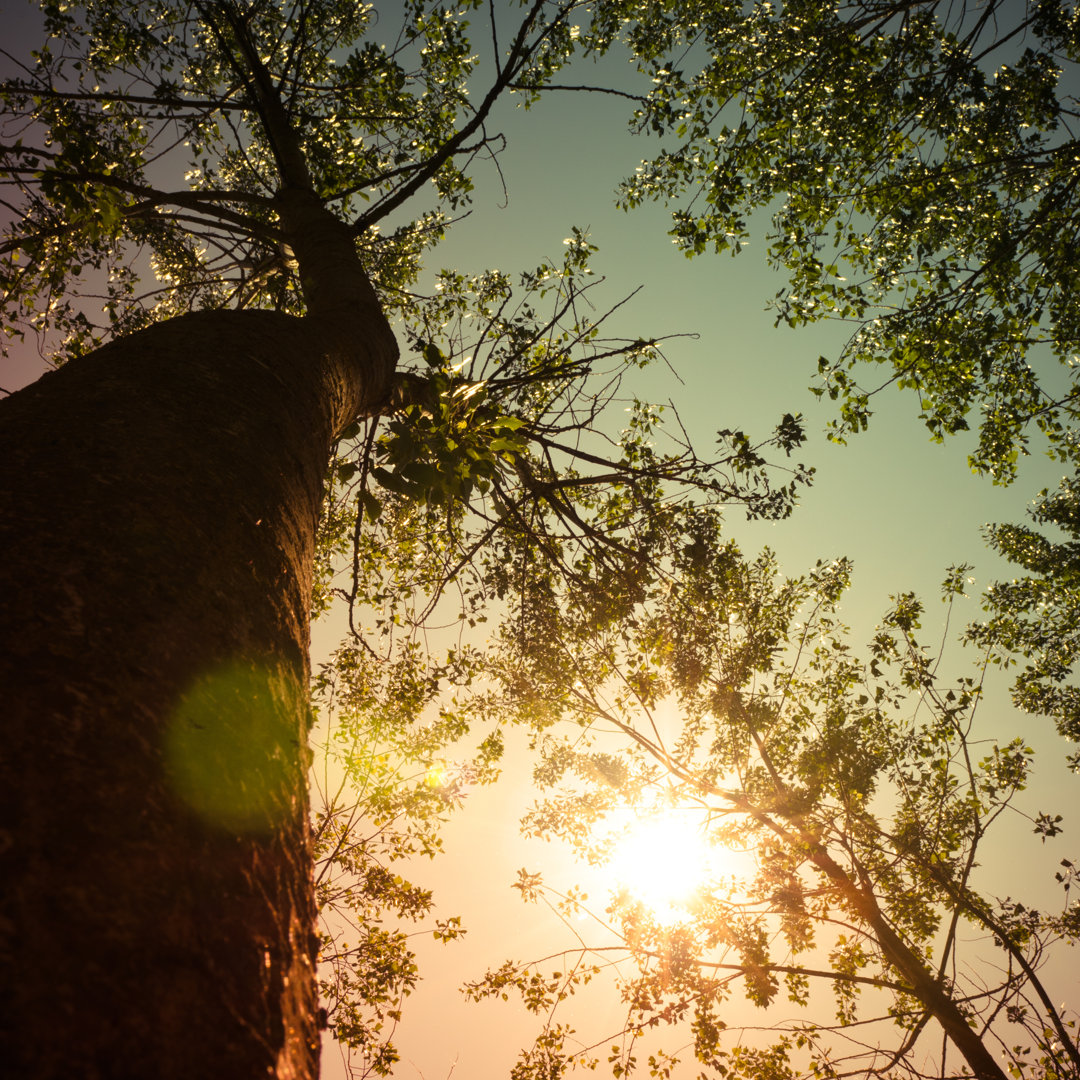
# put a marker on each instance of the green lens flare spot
(233, 748)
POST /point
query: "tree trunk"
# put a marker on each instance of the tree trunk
(158, 504)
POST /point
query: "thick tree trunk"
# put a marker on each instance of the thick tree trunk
(158, 503)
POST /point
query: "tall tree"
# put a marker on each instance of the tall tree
(161, 489)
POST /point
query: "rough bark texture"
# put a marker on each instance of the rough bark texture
(158, 503)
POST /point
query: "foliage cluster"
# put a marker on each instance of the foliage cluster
(919, 162)
(861, 785)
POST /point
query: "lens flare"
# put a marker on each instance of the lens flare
(234, 749)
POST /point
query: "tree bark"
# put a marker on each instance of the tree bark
(158, 506)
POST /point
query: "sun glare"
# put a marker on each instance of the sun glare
(664, 860)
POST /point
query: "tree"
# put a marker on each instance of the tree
(162, 488)
(1036, 617)
(919, 163)
(862, 788)
(159, 865)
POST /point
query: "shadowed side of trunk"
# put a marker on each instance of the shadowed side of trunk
(158, 504)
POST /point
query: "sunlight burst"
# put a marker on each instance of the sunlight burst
(663, 861)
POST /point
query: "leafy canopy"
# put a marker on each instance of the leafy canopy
(919, 164)
(861, 788)
(921, 186)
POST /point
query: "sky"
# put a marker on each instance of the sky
(902, 507)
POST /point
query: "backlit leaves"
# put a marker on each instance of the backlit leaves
(851, 778)
(921, 179)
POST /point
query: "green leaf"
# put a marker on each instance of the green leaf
(391, 480)
(372, 508)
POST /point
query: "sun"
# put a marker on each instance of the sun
(664, 860)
